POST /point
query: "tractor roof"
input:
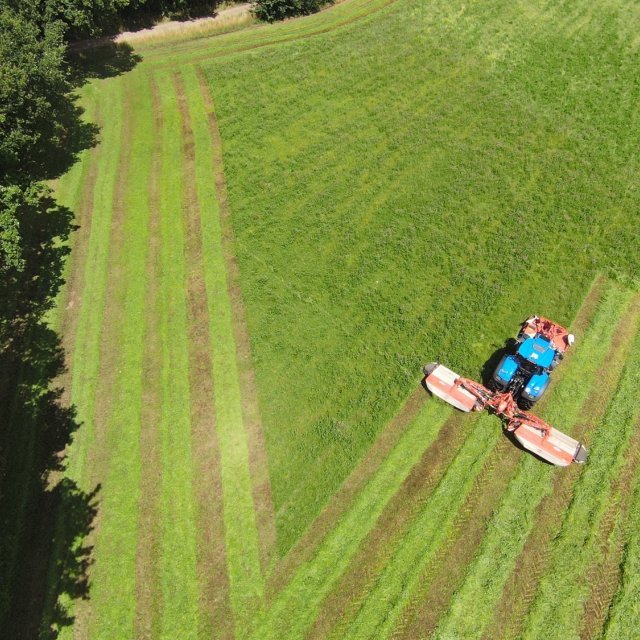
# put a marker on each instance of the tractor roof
(537, 350)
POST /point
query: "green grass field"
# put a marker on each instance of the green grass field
(279, 226)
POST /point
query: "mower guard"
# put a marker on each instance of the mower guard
(555, 447)
(445, 384)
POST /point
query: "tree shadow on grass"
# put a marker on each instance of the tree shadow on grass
(44, 517)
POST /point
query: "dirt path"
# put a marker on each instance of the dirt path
(258, 460)
(519, 590)
(212, 561)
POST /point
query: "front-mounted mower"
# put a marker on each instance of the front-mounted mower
(519, 378)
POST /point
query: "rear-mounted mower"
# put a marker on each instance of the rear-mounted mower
(542, 344)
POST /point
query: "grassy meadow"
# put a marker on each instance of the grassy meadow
(279, 226)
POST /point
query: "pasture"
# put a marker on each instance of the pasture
(279, 226)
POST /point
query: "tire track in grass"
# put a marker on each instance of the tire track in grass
(212, 561)
(443, 568)
(470, 610)
(624, 608)
(180, 609)
(563, 590)
(258, 459)
(148, 591)
(239, 496)
(116, 453)
(604, 575)
(343, 499)
(534, 558)
(297, 606)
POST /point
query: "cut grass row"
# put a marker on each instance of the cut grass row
(242, 544)
(407, 555)
(472, 606)
(624, 610)
(200, 50)
(298, 604)
(562, 592)
(115, 452)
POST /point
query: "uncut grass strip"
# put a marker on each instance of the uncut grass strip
(212, 562)
(241, 533)
(342, 500)
(90, 307)
(148, 589)
(622, 614)
(258, 460)
(271, 41)
(115, 456)
(372, 569)
(180, 608)
(534, 558)
(470, 609)
(604, 576)
(294, 610)
(563, 589)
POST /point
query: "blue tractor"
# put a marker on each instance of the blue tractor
(525, 373)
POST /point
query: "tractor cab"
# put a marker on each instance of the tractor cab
(525, 373)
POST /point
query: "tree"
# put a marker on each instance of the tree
(271, 10)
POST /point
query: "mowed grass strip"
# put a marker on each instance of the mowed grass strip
(381, 604)
(148, 584)
(86, 349)
(443, 576)
(212, 560)
(535, 557)
(297, 606)
(559, 603)
(241, 534)
(604, 574)
(258, 462)
(472, 606)
(624, 611)
(115, 456)
(180, 610)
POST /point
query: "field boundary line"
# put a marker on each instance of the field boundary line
(148, 587)
(258, 457)
(211, 557)
(519, 589)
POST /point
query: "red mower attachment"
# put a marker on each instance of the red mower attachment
(532, 433)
